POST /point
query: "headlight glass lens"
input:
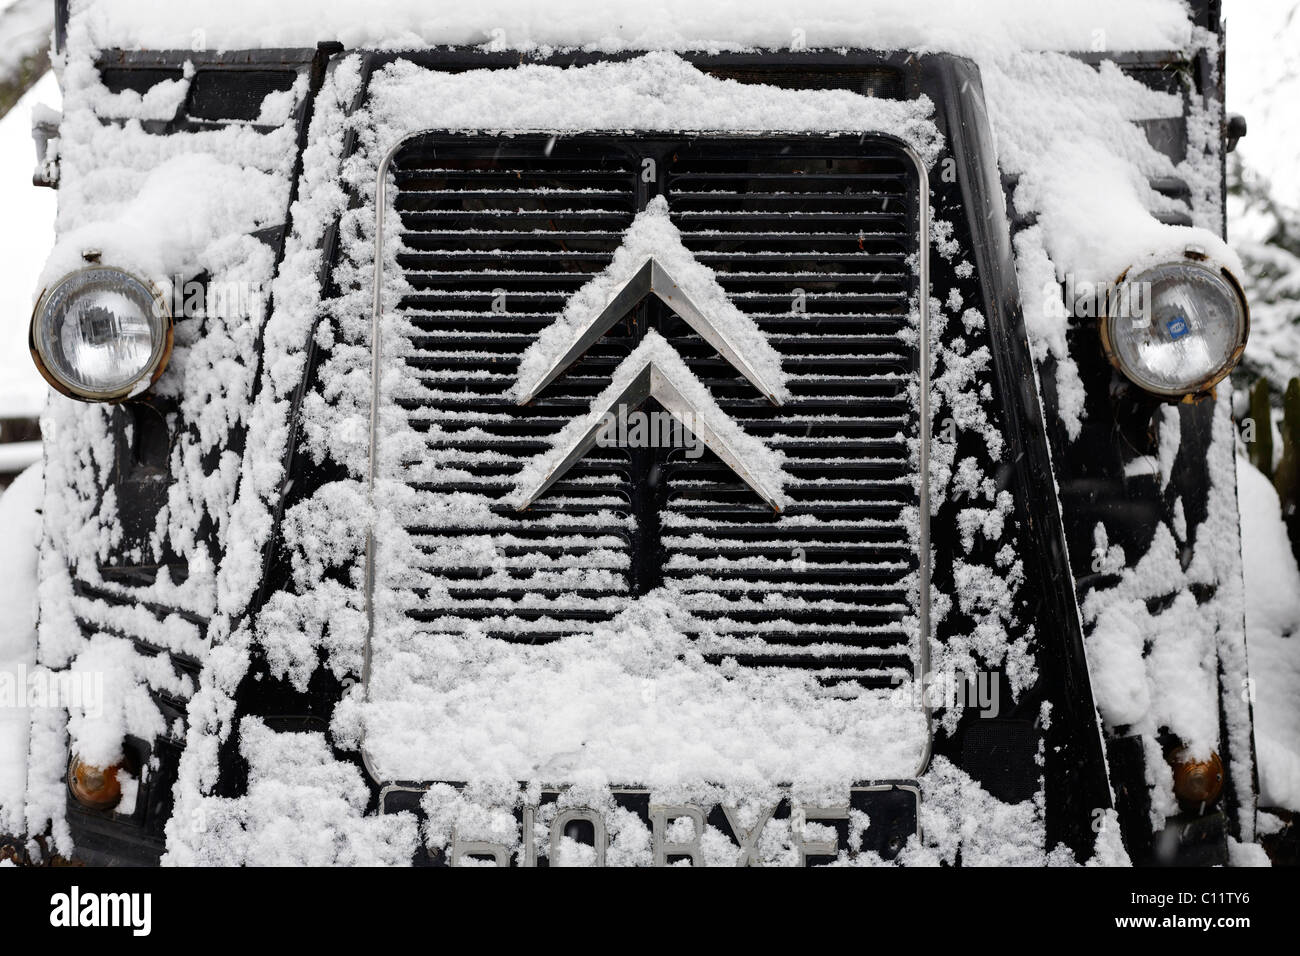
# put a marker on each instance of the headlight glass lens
(100, 332)
(1188, 334)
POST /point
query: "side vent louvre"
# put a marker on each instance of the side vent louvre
(234, 94)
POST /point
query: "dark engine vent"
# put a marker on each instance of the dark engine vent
(235, 94)
(141, 79)
(815, 239)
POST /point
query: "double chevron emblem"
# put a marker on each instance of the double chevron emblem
(653, 261)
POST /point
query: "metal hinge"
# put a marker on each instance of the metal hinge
(45, 134)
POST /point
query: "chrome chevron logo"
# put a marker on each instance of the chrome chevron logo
(656, 370)
(653, 261)
(653, 279)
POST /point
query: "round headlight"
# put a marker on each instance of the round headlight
(1178, 328)
(101, 334)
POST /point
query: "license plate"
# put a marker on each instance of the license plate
(630, 830)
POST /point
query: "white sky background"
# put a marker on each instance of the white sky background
(1264, 86)
(26, 235)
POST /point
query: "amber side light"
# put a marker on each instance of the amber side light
(94, 787)
(1198, 782)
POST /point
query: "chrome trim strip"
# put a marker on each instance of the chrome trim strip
(376, 341)
(922, 668)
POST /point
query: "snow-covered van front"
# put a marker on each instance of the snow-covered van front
(639, 433)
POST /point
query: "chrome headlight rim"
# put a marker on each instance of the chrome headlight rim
(1194, 258)
(160, 353)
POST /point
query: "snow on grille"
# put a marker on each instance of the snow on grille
(494, 243)
(812, 240)
(810, 237)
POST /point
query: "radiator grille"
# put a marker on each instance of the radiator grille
(826, 230)
(813, 238)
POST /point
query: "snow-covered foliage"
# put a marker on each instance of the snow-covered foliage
(1263, 196)
(19, 507)
(1273, 633)
(1264, 225)
(25, 27)
(1266, 232)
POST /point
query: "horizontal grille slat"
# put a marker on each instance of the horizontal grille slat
(815, 242)
(836, 310)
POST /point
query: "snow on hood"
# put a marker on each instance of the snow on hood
(954, 26)
(657, 91)
(1070, 132)
(184, 207)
